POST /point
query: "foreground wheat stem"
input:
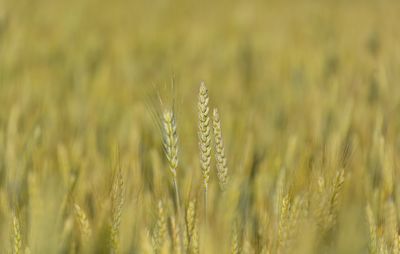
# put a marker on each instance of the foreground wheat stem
(222, 168)
(205, 139)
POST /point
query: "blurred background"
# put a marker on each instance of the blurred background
(76, 77)
(68, 62)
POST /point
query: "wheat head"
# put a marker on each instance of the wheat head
(222, 168)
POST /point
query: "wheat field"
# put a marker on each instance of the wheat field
(164, 126)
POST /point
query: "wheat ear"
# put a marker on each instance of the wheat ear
(117, 202)
(235, 242)
(205, 138)
(160, 229)
(396, 243)
(170, 143)
(17, 235)
(283, 230)
(190, 218)
(335, 198)
(192, 228)
(373, 241)
(175, 236)
(222, 168)
(84, 225)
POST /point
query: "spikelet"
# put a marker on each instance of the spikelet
(204, 134)
(160, 229)
(84, 225)
(117, 202)
(17, 239)
(170, 140)
(222, 168)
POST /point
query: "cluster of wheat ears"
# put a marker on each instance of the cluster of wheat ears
(295, 216)
(292, 220)
(291, 146)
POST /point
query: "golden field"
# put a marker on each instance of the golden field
(109, 142)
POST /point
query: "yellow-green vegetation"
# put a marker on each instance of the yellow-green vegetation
(163, 126)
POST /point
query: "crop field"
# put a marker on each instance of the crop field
(203, 127)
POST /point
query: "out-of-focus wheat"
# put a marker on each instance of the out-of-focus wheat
(117, 202)
(175, 236)
(160, 229)
(311, 112)
(84, 224)
(17, 235)
(373, 241)
(235, 242)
